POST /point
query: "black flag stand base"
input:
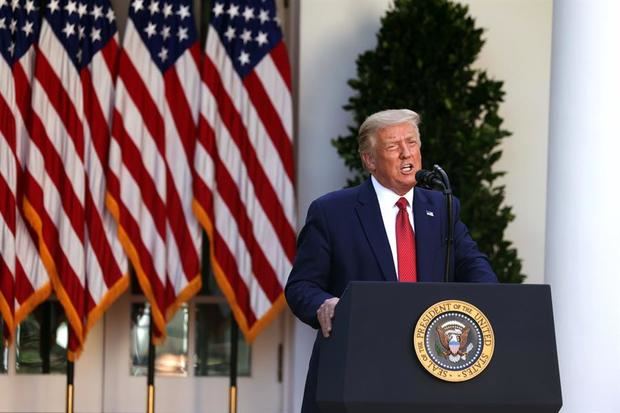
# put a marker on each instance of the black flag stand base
(234, 347)
(150, 381)
(70, 369)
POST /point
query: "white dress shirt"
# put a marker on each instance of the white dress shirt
(387, 203)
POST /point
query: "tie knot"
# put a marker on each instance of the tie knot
(402, 203)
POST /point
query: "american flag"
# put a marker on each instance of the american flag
(244, 190)
(23, 280)
(72, 94)
(154, 137)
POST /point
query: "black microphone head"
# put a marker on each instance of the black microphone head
(424, 177)
(428, 179)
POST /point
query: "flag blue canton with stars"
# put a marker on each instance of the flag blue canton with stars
(247, 29)
(167, 28)
(19, 27)
(83, 28)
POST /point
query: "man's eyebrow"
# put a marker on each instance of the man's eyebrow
(390, 139)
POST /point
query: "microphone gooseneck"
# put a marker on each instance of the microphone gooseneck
(438, 178)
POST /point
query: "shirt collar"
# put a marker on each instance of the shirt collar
(387, 197)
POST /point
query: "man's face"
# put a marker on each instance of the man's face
(394, 157)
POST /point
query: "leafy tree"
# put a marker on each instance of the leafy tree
(423, 61)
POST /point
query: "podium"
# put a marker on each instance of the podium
(369, 365)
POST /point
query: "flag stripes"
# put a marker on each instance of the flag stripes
(242, 154)
(23, 281)
(244, 191)
(67, 161)
(8, 209)
(108, 151)
(154, 129)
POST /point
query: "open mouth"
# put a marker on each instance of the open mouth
(406, 168)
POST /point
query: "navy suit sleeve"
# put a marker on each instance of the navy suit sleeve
(308, 284)
(470, 265)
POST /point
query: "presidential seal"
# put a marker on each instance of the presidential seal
(454, 340)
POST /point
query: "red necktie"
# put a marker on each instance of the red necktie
(405, 244)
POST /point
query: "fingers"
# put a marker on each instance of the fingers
(326, 324)
(325, 313)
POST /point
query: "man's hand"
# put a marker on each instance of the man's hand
(325, 313)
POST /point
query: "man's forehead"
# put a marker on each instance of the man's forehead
(399, 131)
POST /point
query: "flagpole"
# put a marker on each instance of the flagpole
(70, 374)
(234, 347)
(150, 381)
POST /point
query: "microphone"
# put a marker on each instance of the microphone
(428, 179)
(439, 178)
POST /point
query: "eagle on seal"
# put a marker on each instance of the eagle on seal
(453, 342)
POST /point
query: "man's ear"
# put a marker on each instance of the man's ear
(368, 161)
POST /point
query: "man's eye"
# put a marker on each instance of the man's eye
(391, 147)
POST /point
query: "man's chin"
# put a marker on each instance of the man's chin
(405, 187)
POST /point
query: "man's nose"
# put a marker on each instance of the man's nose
(405, 152)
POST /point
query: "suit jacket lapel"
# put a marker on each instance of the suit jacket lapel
(429, 246)
(369, 215)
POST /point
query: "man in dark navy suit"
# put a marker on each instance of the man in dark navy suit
(366, 233)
